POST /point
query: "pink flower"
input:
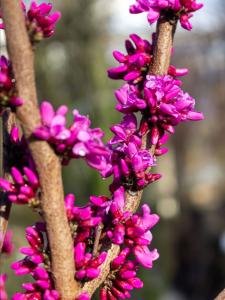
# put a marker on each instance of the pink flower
(76, 141)
(144, 256)
(87, 266)
(34, 264)
(3, 294)
(7, 247)
(24, 187)
(8, 95)
(124, 281)
(133, 66)
(40, 22)
(130, 99)
(168, 105)
(183, 9)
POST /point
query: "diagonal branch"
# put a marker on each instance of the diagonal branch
(47, 163)
(161, 60)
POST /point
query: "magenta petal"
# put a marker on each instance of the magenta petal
(41, 133)
(144, 256)
(92, 273)
(17, 176)
(47, 113)
(153, 15)
(79, 252)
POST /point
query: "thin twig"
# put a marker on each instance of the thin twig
(98, 233)
(161, 60)
(47, 163)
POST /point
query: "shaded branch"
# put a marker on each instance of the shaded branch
(47, 163)
(8, 120)
(161, 60)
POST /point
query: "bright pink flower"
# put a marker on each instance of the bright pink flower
(134, 66)
(124, 281)
(144, 256)
(3, 294)
(8, 95)
(87, 266)
(183, 9)
(168, 105)
(76, 141)
(24, 187)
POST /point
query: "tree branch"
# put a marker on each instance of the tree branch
(161, 60)
(47, 163)
(221, 296)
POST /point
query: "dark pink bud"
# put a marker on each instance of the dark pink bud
(14, 134)
(43, 284)
(124, 285)
(119, 56)
(103, 294)
(127, 274)
(80, 275)
(6, 185)
(92, 273)
(136, 283)
(31, 177)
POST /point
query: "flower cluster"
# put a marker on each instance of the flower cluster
(87, 266)
(162, 104)
(36, 263)
(134, 66)
(40, 22)
(8, 95)
(122, 279)
(130, 164)
(77, 141)
(182, 9)
(167, 104)
(23, 188)
(134, 232)
(128, 156)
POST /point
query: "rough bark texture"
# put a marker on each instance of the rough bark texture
(8, 120)
(47, 163)
(161, 60)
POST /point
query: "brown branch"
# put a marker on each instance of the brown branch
(221, 296)
(98, 233)
(8, 120)
(47, 163)
(161, 60)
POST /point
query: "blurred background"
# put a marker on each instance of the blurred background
(71, 68)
